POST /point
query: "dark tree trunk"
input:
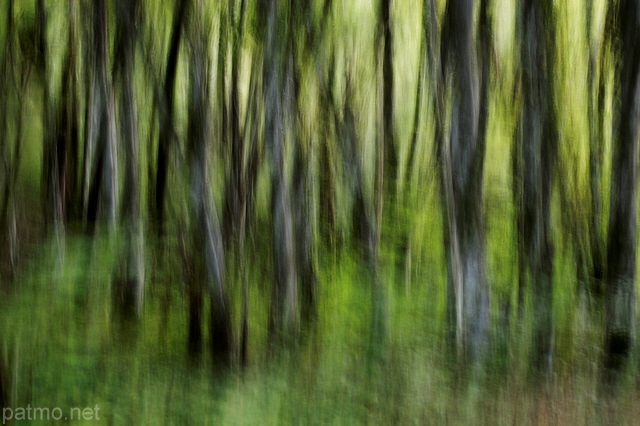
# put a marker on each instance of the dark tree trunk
(536, 149)
(299, 20)
(53, 143)
(621, 255)
(69, 175)
(327, 180)
(167, 131)
(390, 154)
(61, 134)
(236, 192)
(128, 283)
(468, 294)
(208, 254)
(591, 253)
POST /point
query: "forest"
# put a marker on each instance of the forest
(320, 211)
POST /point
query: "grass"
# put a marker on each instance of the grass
(65, 349)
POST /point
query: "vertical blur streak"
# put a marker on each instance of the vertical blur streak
(464, 151)
(207, 256)
(427, 69)
(55, 142)
(68, 157)
(386, 43)
(51, 166)
(10, 164)
(235, 199)
(536, 149)
(129, 288)
(384, 178)
(621, 255)
(597, 81)
(100, 147)
(167, 131)
(60, 163)
(303, 164)
(284, 306)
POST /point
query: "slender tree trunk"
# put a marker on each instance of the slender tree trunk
(284, 315)
(250, 181)
(621, 245)
(10, 162)
(236, 188)
(390, 154)
(328, 154)
(167, 131)
(592, 261)
(302, 164)
(208, 253)
(235, 196)
(100, 150)
(537, 151)
(128, 284)
(69, 176)
(427, 78)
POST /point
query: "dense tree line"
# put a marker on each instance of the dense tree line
(157, 121)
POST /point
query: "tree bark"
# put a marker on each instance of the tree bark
(284, 315)
(386, 34)
(208, 252)
(167, 131)
(100, 190)
(537, 147)
(468, 294)
(129, 283)
(621, 252)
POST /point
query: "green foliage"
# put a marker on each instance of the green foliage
(65, 346)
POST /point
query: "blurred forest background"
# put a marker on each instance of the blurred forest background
(320, 211)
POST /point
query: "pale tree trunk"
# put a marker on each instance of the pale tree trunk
(426, 80)
(284, 315)
(100, 158)
(462, 157)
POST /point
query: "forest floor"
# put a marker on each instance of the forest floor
(62, 347)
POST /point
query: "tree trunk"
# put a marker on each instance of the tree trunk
(167, 131)
(284, 316)
(621, 255)
(468, 297)
(129, 288)
(537, 146)
(390, 154)
(100, 150)
(207, 255)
